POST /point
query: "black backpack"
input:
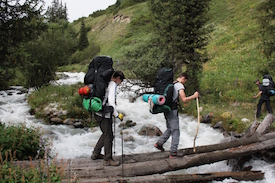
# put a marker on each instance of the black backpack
(163, 85)
(269, 86)
(97, 78)
(98, 75)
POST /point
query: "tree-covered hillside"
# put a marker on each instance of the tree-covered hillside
(235, 56)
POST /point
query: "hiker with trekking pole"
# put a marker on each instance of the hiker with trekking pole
(264, 97)
(172, 118)
(105, 123)
(99, 98)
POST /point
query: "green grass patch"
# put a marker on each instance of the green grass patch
(64, 97)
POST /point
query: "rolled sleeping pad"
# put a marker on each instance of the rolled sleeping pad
(157, 99)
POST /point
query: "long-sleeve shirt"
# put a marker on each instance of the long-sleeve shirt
(111, 99)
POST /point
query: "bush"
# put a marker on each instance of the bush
(38, 172)
(22, 143)
(85, 55)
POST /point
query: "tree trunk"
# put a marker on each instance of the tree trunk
(149, 167)
(186, 178)
(88, 169)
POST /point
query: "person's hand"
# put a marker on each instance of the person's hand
(120, 116)
(196, 94)
(254, 96)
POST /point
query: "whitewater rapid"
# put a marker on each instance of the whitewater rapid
(69, 142)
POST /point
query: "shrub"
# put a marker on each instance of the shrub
(23, 143)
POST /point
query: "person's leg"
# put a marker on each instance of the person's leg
(268, 107)
(106, 126)
(259, 108)
(100, 142)
(165, 136)
(108, 143)
(175, 131)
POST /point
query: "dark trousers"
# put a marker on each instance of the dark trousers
(106, 139)
(259, 107)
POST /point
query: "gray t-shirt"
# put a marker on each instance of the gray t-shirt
(177, 87)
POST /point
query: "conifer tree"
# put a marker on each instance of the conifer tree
(19, 22)
(180, 25)
(83, 40)
(57, 11)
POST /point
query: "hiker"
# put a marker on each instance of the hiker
(105, 123)
(264, 99)
(172, 118)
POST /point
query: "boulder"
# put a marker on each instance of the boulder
(150, 130)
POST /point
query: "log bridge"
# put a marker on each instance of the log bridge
(151, 167)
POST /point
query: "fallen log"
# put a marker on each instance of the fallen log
(186, 178)
(256, 129)
(260, 128)
(155, 156)
(167, 165)
(155, 163)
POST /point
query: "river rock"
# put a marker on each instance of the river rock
(56, 121)
(79, 123)
(127, 124)
(150, 130)
(129, 138)
(69, 121)
(245, 120)
(218, 125)
(207, 118)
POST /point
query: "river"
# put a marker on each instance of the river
(69, 142)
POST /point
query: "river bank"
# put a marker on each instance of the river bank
(73, 143)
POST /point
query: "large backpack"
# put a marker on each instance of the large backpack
(97, 78)
(163, 85)
(268, 85)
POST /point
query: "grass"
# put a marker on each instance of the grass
(227, 82)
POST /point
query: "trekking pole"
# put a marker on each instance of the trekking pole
(122, 150)
(114, 136)
(255, 107)
(198, 109)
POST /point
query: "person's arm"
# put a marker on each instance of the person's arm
(256, 96)
(186, 99)
(112, 97)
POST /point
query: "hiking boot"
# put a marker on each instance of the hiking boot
(111, 162)
(175, 155)
(159, 147)
(96, 156)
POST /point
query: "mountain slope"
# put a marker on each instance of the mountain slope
(235, 58)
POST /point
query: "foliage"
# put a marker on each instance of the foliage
(19, 22)
(83, 40)
(38, 174)
(57, 12)
(140, 47)
(22, 143)
(65, 95)
(19, 143)
(42, 56)
(266, 20)
(182, 31)
(85, 56)
(149, 58)
(121, 4)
